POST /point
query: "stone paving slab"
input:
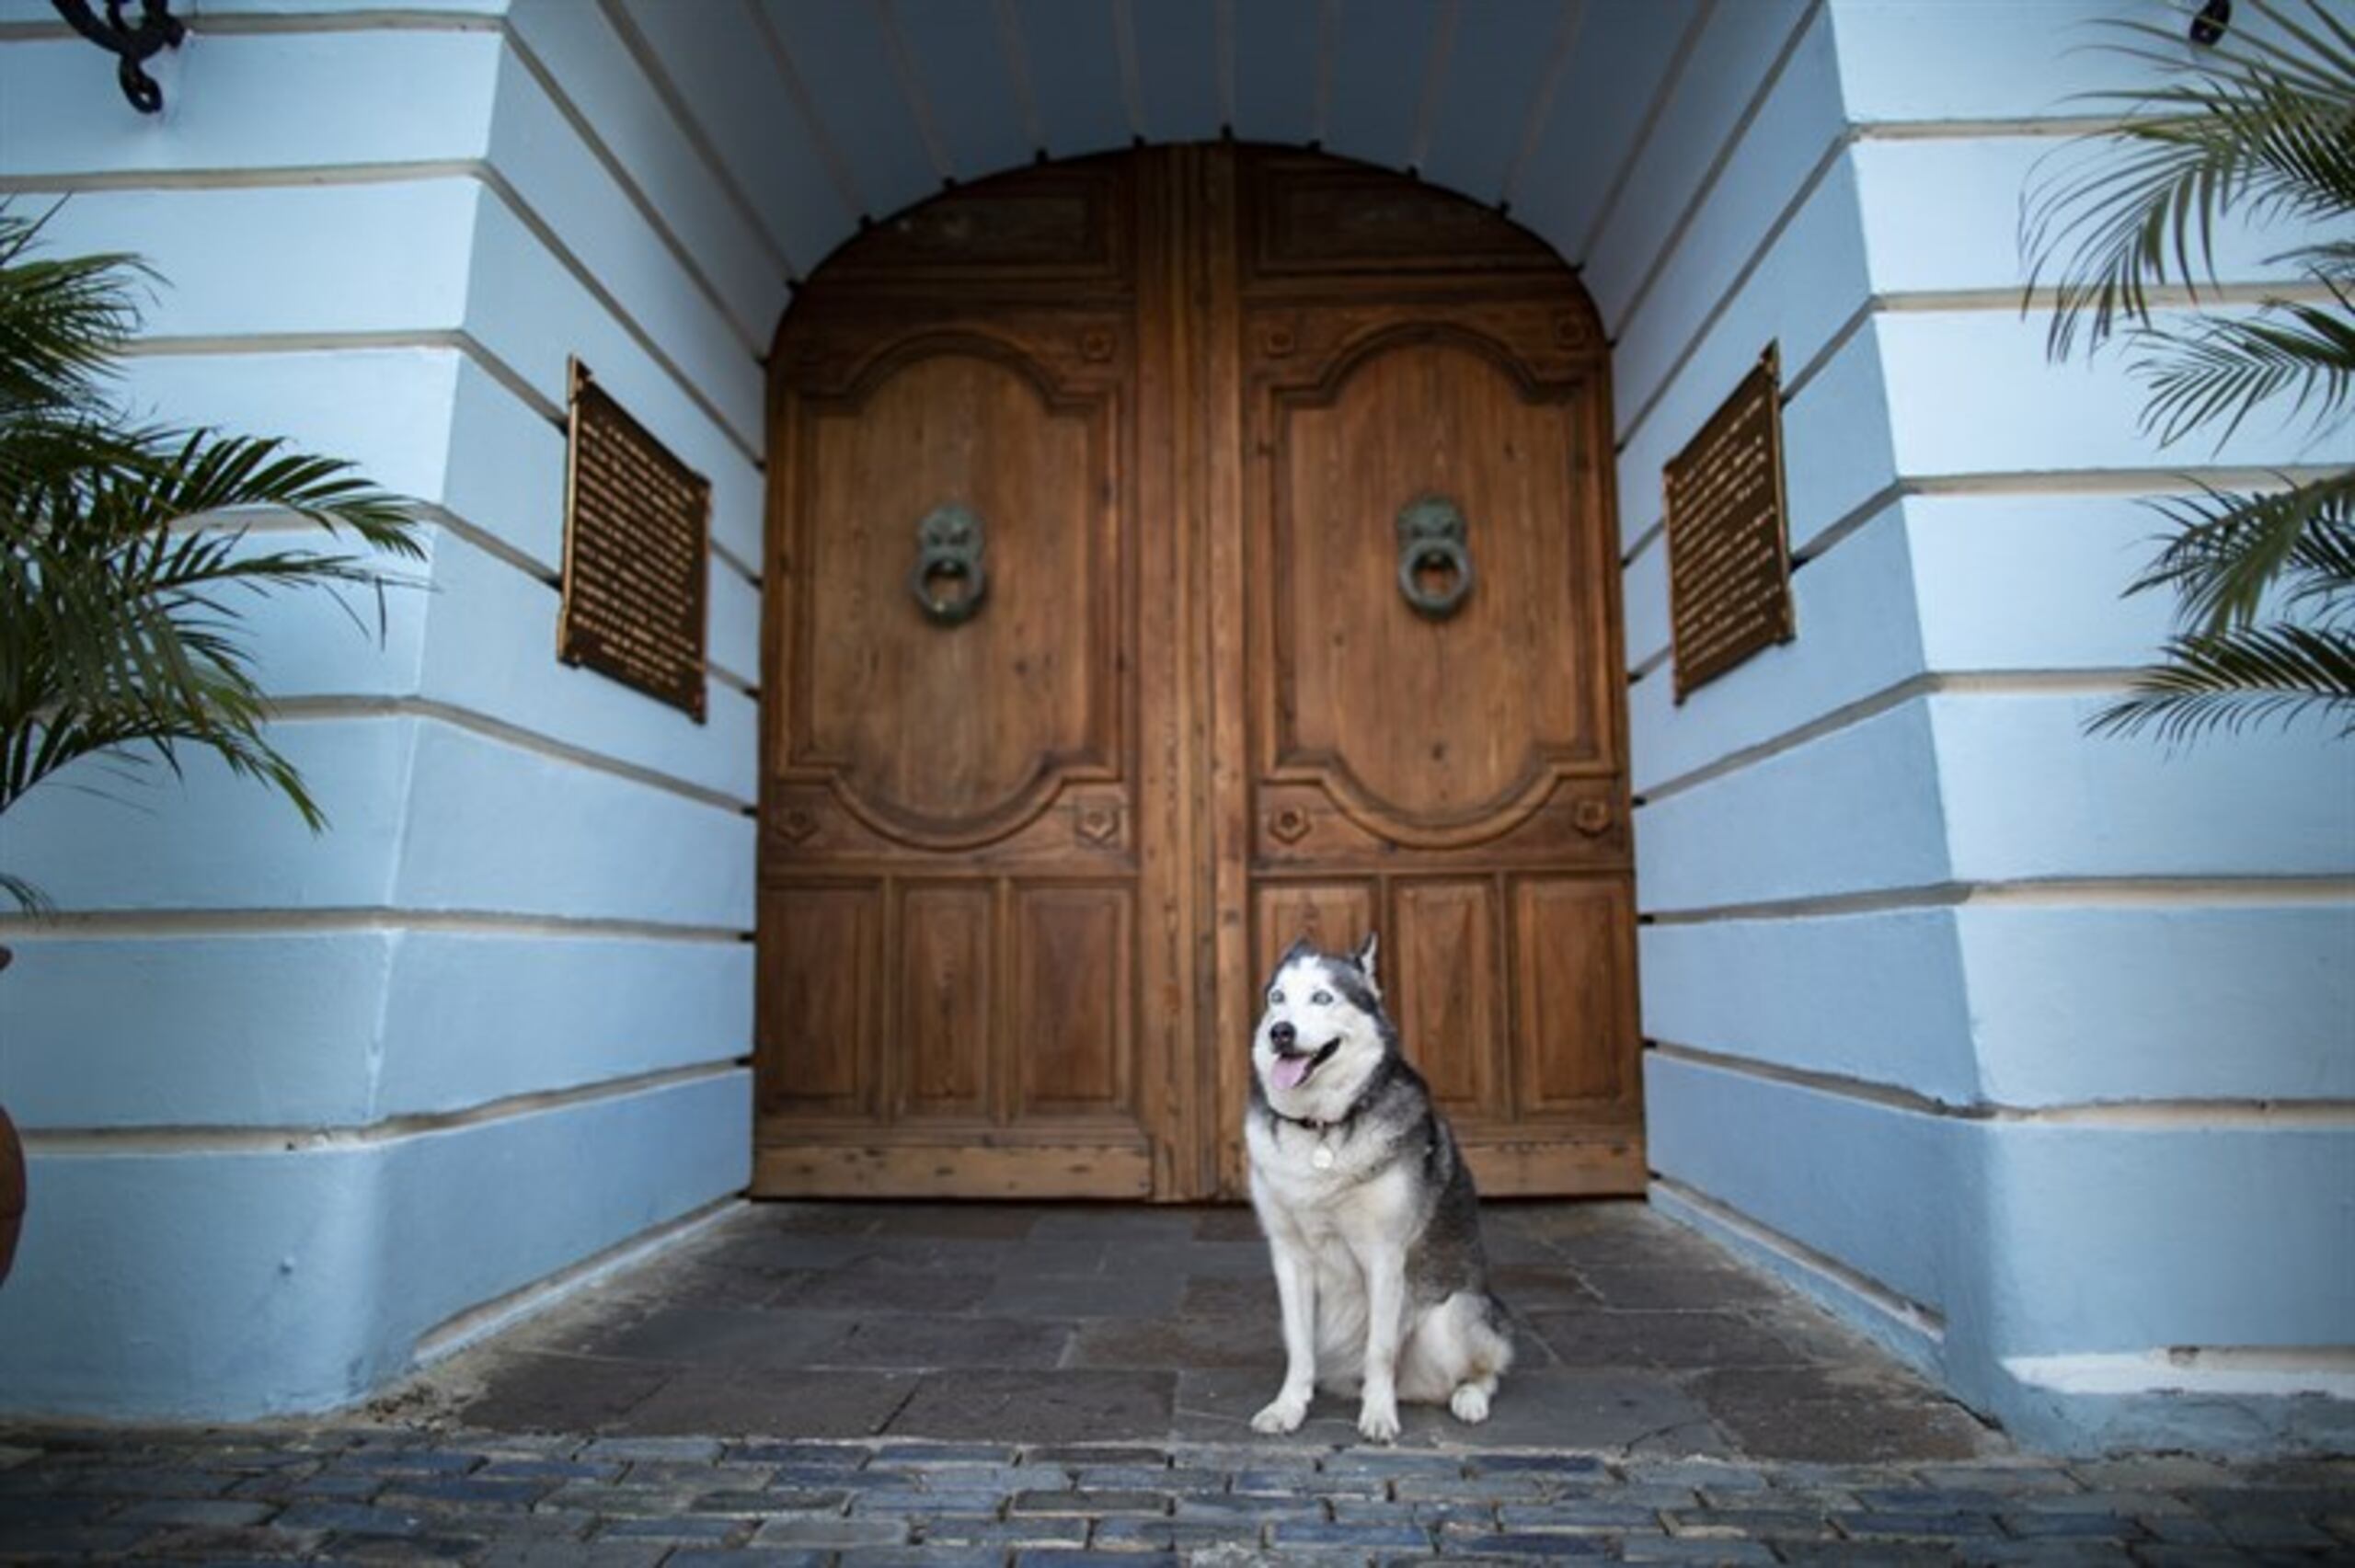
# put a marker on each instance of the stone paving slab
(475, 1497)
(1009, 1385)
(1040, 1323)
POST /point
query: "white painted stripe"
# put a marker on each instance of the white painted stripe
(507, 554)
(2114, 892)
(1716, 167)
(682, 109)
(1656, 534)
(1980, 129)
(904, 72)
(1541, 103)
(1677, 61)
(1833, 534)
(465, 343)
(1917, 1321)
(1223, 46)
(250, 178)
(470, 168)
(749, 334)
(1829, 349)
(1328, 47)
(1017, 67)
(2125, 1115)
(2173, 296)
(829, 153)
(1426, 107)
(374, 20)
(1732, 292)
(2186, 479)
(1124, 50)
(2005, 682)
(500, 1313)
(302, 709)
(116, 1143)
(2238, 1371)
(132, 925)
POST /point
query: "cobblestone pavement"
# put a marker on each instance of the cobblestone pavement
(1032, 1386)
(510, 1499)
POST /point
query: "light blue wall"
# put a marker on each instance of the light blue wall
(293, 1102)
(2029, 1051)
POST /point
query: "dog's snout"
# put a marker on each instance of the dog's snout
(1281, 1036)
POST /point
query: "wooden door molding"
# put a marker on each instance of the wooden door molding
(1020, 875)
(1302, 619)
(1459, 783)
(850, 725)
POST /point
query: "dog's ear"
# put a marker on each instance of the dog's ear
(1299, 945)
(1364, 959)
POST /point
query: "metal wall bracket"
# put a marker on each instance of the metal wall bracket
(157, 30)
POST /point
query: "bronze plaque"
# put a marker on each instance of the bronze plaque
(1729, 533)
(636, 548)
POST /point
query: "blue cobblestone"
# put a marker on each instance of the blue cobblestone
(1525, 1544)
(1373, 1536)
(620, 1503)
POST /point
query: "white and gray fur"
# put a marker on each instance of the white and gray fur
(1378, 1251)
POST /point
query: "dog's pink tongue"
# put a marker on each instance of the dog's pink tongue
(1289, 1071)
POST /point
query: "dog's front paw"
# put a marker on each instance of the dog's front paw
(1284, 1414)
(1378, 1423)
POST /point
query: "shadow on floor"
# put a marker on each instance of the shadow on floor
(1061, 1324)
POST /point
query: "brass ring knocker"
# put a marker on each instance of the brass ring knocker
(1432, 538)
(948, 546)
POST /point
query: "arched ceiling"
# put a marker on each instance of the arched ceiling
(821, 112)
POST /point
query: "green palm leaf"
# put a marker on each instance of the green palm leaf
(2223, 368)
(2263, 130)
(2235, 679)
(2229, 548)
(2259, 130)
(127, 556)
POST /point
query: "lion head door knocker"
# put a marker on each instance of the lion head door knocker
(1431, 541)
(948, 579)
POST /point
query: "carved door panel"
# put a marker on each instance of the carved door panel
(1433, 711)
(1171, 552)
(952, 954)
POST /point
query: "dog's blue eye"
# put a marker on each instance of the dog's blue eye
(1322, 999)
(1276, 998)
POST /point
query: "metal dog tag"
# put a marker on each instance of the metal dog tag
(1322, 1159)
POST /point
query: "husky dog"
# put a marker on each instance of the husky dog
(1368, 1208)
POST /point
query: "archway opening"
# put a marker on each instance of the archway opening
(1173, 553)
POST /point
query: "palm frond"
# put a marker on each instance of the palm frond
(2221, 369)
(28, 898)
(2239, 678)
(2229, 547)
(62, 321)
(127, 563)
(2263, 130)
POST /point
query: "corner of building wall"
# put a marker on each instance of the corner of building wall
(167, 1314)
(1904, 1329)
(2099, 1404)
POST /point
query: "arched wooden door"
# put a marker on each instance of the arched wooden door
(1172, 553)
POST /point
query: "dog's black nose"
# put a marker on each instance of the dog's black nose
(1282, 1036)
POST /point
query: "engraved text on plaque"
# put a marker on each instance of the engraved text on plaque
(1728, 540)
(637, 540)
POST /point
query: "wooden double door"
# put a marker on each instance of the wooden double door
(1171, 554)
